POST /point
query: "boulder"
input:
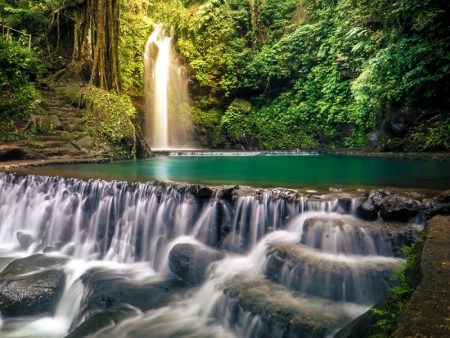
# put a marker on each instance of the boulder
(190, 261)
(366, 209)
(390, 206)
(113, 297)
(109, 291)
(399, 209)
(24, 239)
(86, 142)
(31, 286)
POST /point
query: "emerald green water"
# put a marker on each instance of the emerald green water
(313, 171)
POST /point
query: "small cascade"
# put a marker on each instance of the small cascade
(281, 257)
(167, 120)
(126, 223)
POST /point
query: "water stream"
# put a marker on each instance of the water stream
(335, 266)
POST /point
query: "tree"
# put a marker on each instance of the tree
(87, 32)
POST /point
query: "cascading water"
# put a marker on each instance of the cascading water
(282, 252)
(167, 122)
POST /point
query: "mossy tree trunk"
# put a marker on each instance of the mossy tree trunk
(91, 29)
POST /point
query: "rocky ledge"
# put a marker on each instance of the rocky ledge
(425, 313)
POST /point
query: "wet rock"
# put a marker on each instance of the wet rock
(280, 313)
(399, 209)
(226, 193)
(112, 290)
(31, 285)
(390, 206)
(200, 192)
(343, 205)
(302, 269)
(190, 262)
(101, 320)
(365, 324)
(24, 239)
(425, 313)
(443, 197)
(366, 209)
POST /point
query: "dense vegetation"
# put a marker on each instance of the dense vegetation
(303, 73)
(264, 73)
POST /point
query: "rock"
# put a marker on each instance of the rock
(365, 324)
(281, 314)
(190, 262)
(443, 197)
(367, 209)
(300, 269)
(200, 192)
(425, 314)
(86, 142)
(101, 320)
(343, 205)
(31, 286)
(17, 153)
(107, 290)
(399, 209)
(391, 206)
(397, 126)
(110, 292)
(24, 239)
(373, 140)
(46, 123)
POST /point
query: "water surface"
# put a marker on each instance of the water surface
(270, 171)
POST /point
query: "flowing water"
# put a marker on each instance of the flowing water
(335, 265)
(167, 122)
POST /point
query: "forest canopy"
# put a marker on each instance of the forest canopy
(267, 74)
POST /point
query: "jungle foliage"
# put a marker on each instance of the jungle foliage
(317, 73)
(264, 73)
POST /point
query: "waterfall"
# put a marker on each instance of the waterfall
(167, 122)
(283, 251)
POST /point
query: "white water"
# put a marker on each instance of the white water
(128, 230)
(167, 120)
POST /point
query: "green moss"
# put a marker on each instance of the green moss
(207, 126)
(111, 116)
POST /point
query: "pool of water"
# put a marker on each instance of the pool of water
(292, 171)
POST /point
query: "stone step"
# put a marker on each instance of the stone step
(349, 278)
(281, 313)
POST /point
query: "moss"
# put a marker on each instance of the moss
(111, 117)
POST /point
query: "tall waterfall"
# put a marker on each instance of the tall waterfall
(167, 120)
(288, 253)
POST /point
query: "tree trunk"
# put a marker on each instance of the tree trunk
(94, 34)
